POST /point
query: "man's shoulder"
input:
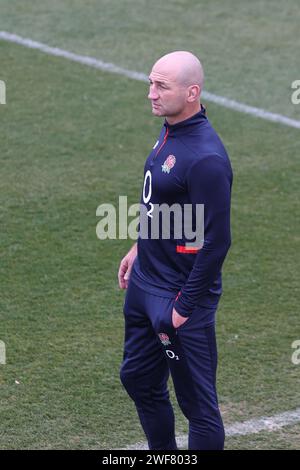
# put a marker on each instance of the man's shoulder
(200, 145)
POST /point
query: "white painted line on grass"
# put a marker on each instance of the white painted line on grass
(252, 426)
(82, 59)
(244, 108)
(109, 67)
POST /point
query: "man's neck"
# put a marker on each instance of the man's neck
(184, 115)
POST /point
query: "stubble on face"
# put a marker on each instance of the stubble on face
(168, 98)
(172, 75)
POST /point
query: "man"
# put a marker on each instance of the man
(173, 288)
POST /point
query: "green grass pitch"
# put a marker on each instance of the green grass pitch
(72, 138)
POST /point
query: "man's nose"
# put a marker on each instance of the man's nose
(153, 95)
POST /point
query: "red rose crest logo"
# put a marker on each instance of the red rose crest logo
(168, 164)
(164, 339)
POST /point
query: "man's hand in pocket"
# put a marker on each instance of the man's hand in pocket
(177, 319)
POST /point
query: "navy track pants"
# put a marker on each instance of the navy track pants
(153, 348)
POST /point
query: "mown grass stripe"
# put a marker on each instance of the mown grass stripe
(252, 426)
(109, 67)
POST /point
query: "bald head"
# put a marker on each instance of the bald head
(176, 81)
(182, 66)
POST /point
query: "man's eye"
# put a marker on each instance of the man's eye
(159, 85)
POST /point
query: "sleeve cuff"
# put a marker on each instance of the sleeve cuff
(184, 312)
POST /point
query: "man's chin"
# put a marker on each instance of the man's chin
(157, 111)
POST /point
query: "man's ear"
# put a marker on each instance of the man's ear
(193, 93)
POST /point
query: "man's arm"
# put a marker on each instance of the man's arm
(126, 266)
(209, 183)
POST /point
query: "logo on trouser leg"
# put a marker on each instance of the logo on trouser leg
(172, 355)
(164, 339)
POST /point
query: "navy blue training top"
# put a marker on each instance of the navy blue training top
(187, 165)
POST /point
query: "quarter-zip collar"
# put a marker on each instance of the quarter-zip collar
(186, 126)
